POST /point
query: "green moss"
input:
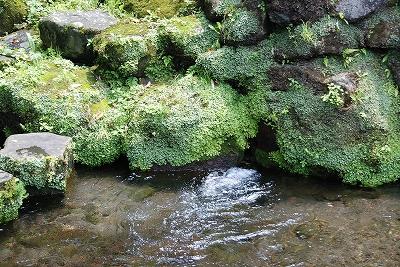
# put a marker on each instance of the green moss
(245, 66)
(54, 95)
(189, 36)
(11, 12)
(382, 28)
(186, 121)
(160, 8)
(12, 193)
(324, 37)
(127, 47)
(359, 143)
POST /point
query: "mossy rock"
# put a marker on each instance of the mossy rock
(185, 38)
(186, 121)
(12, 194)
(382, 29)
(56, 96)
(42, 161)
(128, 47)
(327, 36)
(355, 138)
(244, 67)
(160, 8)
(12, 12)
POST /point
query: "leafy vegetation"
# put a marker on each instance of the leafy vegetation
(12, 193)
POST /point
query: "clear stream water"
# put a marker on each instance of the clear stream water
(238, 217)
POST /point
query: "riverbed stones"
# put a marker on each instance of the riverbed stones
(12, 193)
(12, 12)
(40, 160)
(71, 32)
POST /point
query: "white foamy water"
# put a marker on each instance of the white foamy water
(222, 209)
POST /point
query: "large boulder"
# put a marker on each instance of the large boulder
(11, 12)
(40, 160)
(70, 32)
(12, 193)
(337, 119)
(243, 21)
(382, 29)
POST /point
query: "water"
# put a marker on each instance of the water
(239, 217)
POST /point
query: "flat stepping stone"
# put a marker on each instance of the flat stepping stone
(70, 32)
(40, 160)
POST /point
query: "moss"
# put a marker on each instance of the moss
(382, 28)
(186, 121)
(160, 8)
(54, 95)
(127, 47)
(244, 66)
(325, 37)
(187, 37)
(46, 174)
(12, 193)
(11, 12)
(242, 26)
(359, 143)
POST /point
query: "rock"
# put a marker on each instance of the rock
(14, 46)
(283, 77)
(160, 8)
(357, 9)
(40, 160)
(297, 11)
(12, 193)
(328, 36)
(350, 128)
(128, 47)
(187, 37)
(70, 32)
(11, 12)
(243, 21)
(65, 99)
(4, 178)
(382, 29)
(394, 65)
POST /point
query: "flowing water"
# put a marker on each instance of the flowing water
(237, 217)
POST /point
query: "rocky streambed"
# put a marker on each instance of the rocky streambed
(235, 218)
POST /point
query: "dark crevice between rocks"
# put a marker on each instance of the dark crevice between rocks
(10, 123)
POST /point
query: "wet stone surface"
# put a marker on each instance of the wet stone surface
(234, 218)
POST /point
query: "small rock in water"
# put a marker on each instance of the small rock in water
(70, 32)
(41, 160)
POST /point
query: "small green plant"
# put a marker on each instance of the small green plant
(335, 95)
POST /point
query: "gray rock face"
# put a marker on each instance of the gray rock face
(40, 160)
(358, 9)
(4, 177)
(70, 32)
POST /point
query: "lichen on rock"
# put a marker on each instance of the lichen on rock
(12, 193)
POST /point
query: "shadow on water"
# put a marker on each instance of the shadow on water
(238, 217)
